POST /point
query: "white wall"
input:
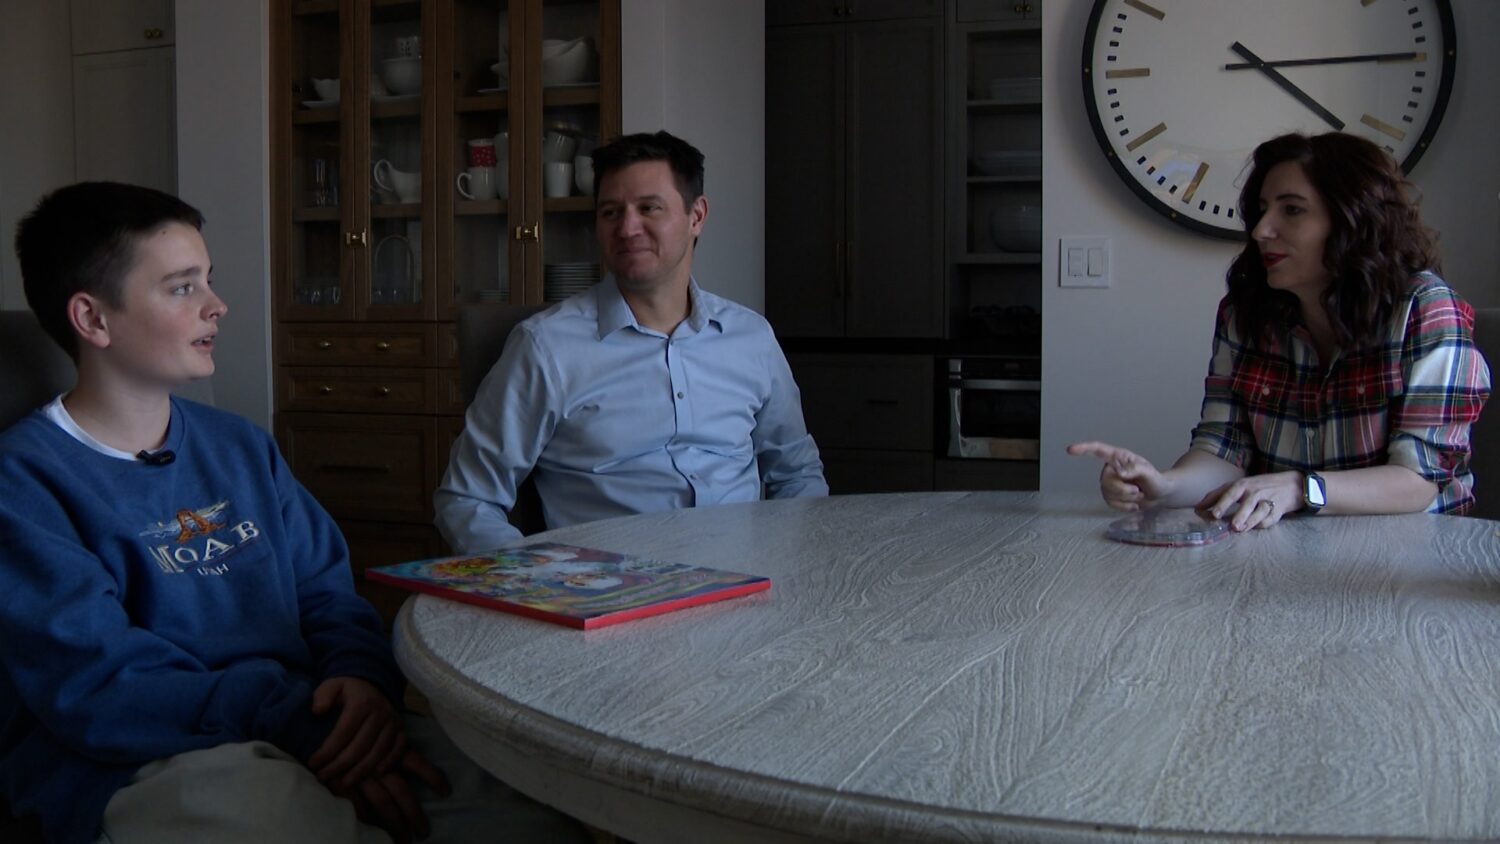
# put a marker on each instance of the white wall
(223, 169)
(1126, 363)
(36, 145)
(696, 68)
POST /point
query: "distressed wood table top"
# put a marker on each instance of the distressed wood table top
(984, 666)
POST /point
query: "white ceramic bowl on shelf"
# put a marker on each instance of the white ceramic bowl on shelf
(402, 75)
(1017, 228)
(571, 62)
(328, 89)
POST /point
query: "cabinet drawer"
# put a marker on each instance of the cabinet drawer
(856, 472)
(364, 467)
(375, 344)
(782, 12)
(357, 390)
(867, 401)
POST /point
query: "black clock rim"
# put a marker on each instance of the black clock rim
(1445, 88)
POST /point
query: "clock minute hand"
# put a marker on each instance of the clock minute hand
(1371, 57)
(1286, 85)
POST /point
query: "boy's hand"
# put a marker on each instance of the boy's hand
(388, 801)
(367, 739)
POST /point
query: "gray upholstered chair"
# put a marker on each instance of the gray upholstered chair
(33, 369)
(482, 331)
(1485, 437)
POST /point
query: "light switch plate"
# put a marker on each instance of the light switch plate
(1084, 262)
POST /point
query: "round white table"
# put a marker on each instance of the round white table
(987, 666)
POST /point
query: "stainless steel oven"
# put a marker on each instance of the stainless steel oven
(994, 407)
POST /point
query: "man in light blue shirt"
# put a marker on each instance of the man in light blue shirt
(642, 394)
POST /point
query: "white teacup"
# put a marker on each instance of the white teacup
(477, 183)
(557, 178)
(406, 186)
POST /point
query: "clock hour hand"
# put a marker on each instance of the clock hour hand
(1371, 57)
(1286, 85)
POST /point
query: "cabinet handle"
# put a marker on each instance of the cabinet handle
(531, 232)
(325, 390)
(325, 345)
(382, 346)
(352, 239)
(382, 391)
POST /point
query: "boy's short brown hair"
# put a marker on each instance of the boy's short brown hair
(81, 239)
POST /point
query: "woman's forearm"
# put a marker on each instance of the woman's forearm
(1377, 490)
(1195, 474)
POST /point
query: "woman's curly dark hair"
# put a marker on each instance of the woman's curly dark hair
(1376, 242)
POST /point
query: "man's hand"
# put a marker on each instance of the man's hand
(367, 739)
(1128, 481)
(388, 801)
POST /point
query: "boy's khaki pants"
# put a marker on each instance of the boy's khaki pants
(256, 793)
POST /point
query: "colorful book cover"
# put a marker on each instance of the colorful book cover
(565, 584)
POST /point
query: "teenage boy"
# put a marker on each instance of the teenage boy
(182, 655)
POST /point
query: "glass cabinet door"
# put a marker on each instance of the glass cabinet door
(571, 126)
(529, 80)
(396, 83)
(315, 284)
(478, 182)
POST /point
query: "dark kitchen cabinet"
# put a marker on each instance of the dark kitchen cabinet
(854, 157)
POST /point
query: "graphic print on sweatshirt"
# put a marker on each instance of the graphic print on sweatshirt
(198, 540)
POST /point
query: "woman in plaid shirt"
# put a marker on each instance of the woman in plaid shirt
(1344, 376)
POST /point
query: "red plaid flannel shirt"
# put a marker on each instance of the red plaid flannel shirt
(1407, 401)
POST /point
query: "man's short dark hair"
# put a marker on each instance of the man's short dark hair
(81, 239)
(684, 158)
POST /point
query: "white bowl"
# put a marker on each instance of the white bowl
(328, 89)
(571, 65)
(1017, 228)
(501, 68)
(402, 75)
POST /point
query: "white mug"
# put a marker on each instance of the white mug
(406, 186)
(477, 183)
(557, 178)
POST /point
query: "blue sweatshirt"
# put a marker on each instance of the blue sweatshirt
(149, 610)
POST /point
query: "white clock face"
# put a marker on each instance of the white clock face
(1180, 92)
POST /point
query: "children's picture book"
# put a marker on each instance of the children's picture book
(565, 584)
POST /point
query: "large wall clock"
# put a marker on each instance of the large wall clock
(1180, 92)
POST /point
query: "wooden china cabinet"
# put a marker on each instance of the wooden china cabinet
(374, 103)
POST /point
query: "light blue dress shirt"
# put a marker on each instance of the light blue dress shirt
(618, 419)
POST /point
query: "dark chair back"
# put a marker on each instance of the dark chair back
(482, 331)
(33, 369)
(1485, 436)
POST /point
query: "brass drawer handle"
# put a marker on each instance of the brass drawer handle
(325, 390)
(382, 346)
(325, 345)
(382, 391)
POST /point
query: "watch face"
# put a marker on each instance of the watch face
(1315, 495)
(1180, 92)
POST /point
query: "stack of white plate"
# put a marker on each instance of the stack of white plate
(559, 281)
